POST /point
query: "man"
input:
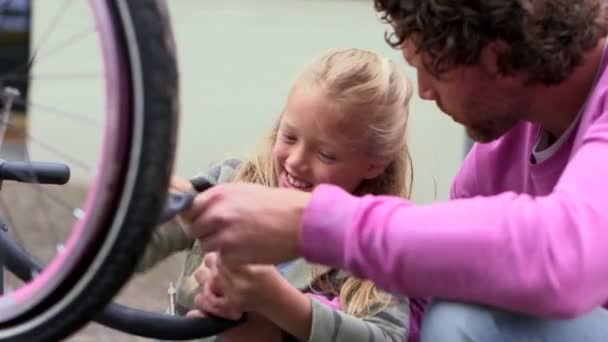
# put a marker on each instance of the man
(523, 240)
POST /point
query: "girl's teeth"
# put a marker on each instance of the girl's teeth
(296, 183)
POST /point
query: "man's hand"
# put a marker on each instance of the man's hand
(248, 223)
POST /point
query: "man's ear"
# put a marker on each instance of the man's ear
(490, 56)
(489, 61)
(376, 168)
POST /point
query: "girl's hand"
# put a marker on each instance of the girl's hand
(179, 184)
(214, 287)
(228, 291)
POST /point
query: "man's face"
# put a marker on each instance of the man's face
(484, 102)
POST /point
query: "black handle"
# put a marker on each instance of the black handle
(35, 172)
(178, 201)
(175, 203)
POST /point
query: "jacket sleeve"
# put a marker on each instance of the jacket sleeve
(166, 240)
(389, 324)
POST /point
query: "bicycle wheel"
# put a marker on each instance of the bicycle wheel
(129, 183)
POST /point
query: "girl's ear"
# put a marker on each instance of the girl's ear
(376, 168)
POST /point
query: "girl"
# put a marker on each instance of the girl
(344, 123)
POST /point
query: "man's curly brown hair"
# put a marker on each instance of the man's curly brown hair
(547, 38)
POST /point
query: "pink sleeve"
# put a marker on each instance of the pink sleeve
(541, 255)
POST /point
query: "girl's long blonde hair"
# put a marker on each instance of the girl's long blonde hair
(372, 92)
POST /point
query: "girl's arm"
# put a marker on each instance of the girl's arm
(389, 324)
(166, 240)
(170, 238)
(309, 320)
(227, 291)
(256, 328)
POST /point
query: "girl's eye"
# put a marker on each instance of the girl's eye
(327, 157)
(289, 138)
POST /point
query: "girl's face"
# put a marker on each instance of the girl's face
(312, 148)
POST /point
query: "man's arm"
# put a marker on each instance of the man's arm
(541, 255)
